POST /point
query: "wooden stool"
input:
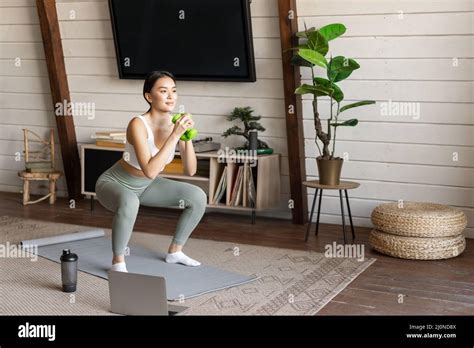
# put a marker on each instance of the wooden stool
(27, 177)
(343, 185)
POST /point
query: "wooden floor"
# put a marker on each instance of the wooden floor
(389, 287)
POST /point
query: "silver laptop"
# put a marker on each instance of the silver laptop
(139, 294)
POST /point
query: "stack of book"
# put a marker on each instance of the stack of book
(237, 182)
(114, 139)
(221, 188)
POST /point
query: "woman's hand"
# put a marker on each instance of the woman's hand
(184, 123)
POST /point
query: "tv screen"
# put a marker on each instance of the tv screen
(207, 40)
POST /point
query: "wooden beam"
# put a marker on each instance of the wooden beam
(53, 50)
(294, 120)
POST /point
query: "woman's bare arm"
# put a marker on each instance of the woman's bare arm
(188, 156)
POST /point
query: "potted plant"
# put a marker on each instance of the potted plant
(250, 123)
(312, 54)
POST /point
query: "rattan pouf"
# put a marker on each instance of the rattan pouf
(420, 231)
(419, 219)
(417, 248)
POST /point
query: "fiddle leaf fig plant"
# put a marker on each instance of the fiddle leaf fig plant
(312, 54)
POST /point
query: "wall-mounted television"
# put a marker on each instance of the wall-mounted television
(205, 40)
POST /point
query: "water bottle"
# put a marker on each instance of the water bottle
(69, 270)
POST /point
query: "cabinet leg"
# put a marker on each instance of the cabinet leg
(92, 203)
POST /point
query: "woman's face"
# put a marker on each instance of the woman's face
(163, 95)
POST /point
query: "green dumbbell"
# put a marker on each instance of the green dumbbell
(190, 133)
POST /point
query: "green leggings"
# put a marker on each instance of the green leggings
(122, 193)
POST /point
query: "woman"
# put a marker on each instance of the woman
(134, 180)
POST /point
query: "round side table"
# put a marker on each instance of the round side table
(343, 186)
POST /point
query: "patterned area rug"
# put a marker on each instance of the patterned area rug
(291, 282)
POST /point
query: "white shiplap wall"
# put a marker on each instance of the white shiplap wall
(25, 99)
(405, 56)
(92, 75)
(394, 157)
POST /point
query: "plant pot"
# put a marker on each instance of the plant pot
(259, 151)
(329, 171)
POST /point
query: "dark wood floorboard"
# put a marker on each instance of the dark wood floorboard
(426, 287)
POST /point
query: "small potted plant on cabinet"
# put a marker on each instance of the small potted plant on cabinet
(250, 123)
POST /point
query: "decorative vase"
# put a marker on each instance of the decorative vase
(329, 171)
(253, 140)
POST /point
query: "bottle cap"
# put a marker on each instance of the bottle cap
(68, 256)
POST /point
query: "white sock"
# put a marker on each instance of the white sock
(180, 257)
(119, 267)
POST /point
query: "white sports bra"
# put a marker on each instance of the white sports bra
(130, 150)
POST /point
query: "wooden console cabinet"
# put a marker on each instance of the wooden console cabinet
(265, 170)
